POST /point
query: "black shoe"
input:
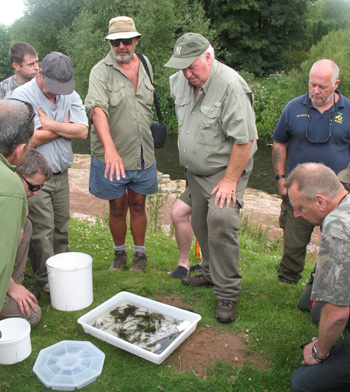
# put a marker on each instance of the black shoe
(225, 311)
(180, 272)
(196, 281)
(35, 292)
(196, 268)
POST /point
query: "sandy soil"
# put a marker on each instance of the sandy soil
(205, 346)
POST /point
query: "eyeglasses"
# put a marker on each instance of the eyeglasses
(32, 114)
(31, 187)
(330, 126)
(116, 42)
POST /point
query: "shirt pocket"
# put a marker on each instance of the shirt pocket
(116, 96)
(181, 108)
(210, 128)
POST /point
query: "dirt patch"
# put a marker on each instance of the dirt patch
(206, 346)
(262, 208)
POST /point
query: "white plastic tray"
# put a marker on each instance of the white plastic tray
(123, 298)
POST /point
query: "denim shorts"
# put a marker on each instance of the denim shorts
(144, 181)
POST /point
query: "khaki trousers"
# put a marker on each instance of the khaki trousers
(216, 230)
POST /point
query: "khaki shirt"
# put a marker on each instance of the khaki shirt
(129, 113)
(208, 127)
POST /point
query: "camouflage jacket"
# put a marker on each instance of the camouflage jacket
(332, 279)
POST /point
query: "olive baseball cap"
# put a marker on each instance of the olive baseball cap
(344, 175)
(57, 70)
(187, 48)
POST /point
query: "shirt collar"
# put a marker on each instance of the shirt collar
(7, 163)
(339, 104)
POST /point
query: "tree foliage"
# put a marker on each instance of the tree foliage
(257, 35)
(43, 22)
(5, 66)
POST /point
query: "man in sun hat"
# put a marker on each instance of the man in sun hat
(217, 140)
(123, 168)
(60, 117)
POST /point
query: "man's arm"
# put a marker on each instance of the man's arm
(51, 130)
(279, 156)
(114, 162)
(332, 324)
(226, 188)
(22, 296)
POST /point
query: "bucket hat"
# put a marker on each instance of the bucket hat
(187, 48)
(122, 27)
(344, 175)
(57, 70)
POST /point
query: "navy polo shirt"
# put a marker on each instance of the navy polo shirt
(307, 146)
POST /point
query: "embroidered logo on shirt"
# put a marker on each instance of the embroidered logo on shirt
(339, 118)
(178, 50)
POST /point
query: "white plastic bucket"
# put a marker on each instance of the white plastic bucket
(70, 280)
(15, 345)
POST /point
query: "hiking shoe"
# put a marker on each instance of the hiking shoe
(138, 262)
(196, 268)
(46, 288)
(35, 292)
(196, 281)
(119, 261)
(225, 311)
(180, 272)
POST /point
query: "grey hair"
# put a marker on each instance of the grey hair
(335, 68)
(33, 163)
(314, 178)
(210, 50)
(14, 115)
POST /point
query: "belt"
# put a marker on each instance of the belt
(55, 174)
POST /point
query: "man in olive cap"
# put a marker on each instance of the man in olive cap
(59, 117)
(217, 140)
(123, 168)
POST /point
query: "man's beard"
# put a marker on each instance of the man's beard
(123, 59)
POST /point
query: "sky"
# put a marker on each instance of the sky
(10, 11)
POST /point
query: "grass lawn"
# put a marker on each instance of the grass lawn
(267, 308)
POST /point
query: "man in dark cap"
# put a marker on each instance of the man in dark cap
(60, 117)
(123, 168)
(217, 140)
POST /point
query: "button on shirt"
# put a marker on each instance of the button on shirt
(208, 127)
(129, 113)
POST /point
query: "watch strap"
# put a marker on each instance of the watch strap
(279, 176)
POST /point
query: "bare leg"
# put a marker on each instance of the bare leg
(180, 215)
(117, 219)
(138, 218)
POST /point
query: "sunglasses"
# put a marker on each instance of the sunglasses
(31, 187)
(316, 140)
(32, 114)
(116, 42)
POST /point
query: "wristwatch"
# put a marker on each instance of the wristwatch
(316, 356)
(279, 176)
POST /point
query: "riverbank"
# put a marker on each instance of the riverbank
(262, 208)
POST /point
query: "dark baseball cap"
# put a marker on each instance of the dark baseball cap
(187, 48)
(57, 70)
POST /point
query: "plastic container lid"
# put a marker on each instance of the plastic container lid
(69, 364)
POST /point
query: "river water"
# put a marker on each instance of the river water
(262, 177)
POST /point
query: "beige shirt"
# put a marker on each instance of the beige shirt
(129, 113)
(208, 127)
